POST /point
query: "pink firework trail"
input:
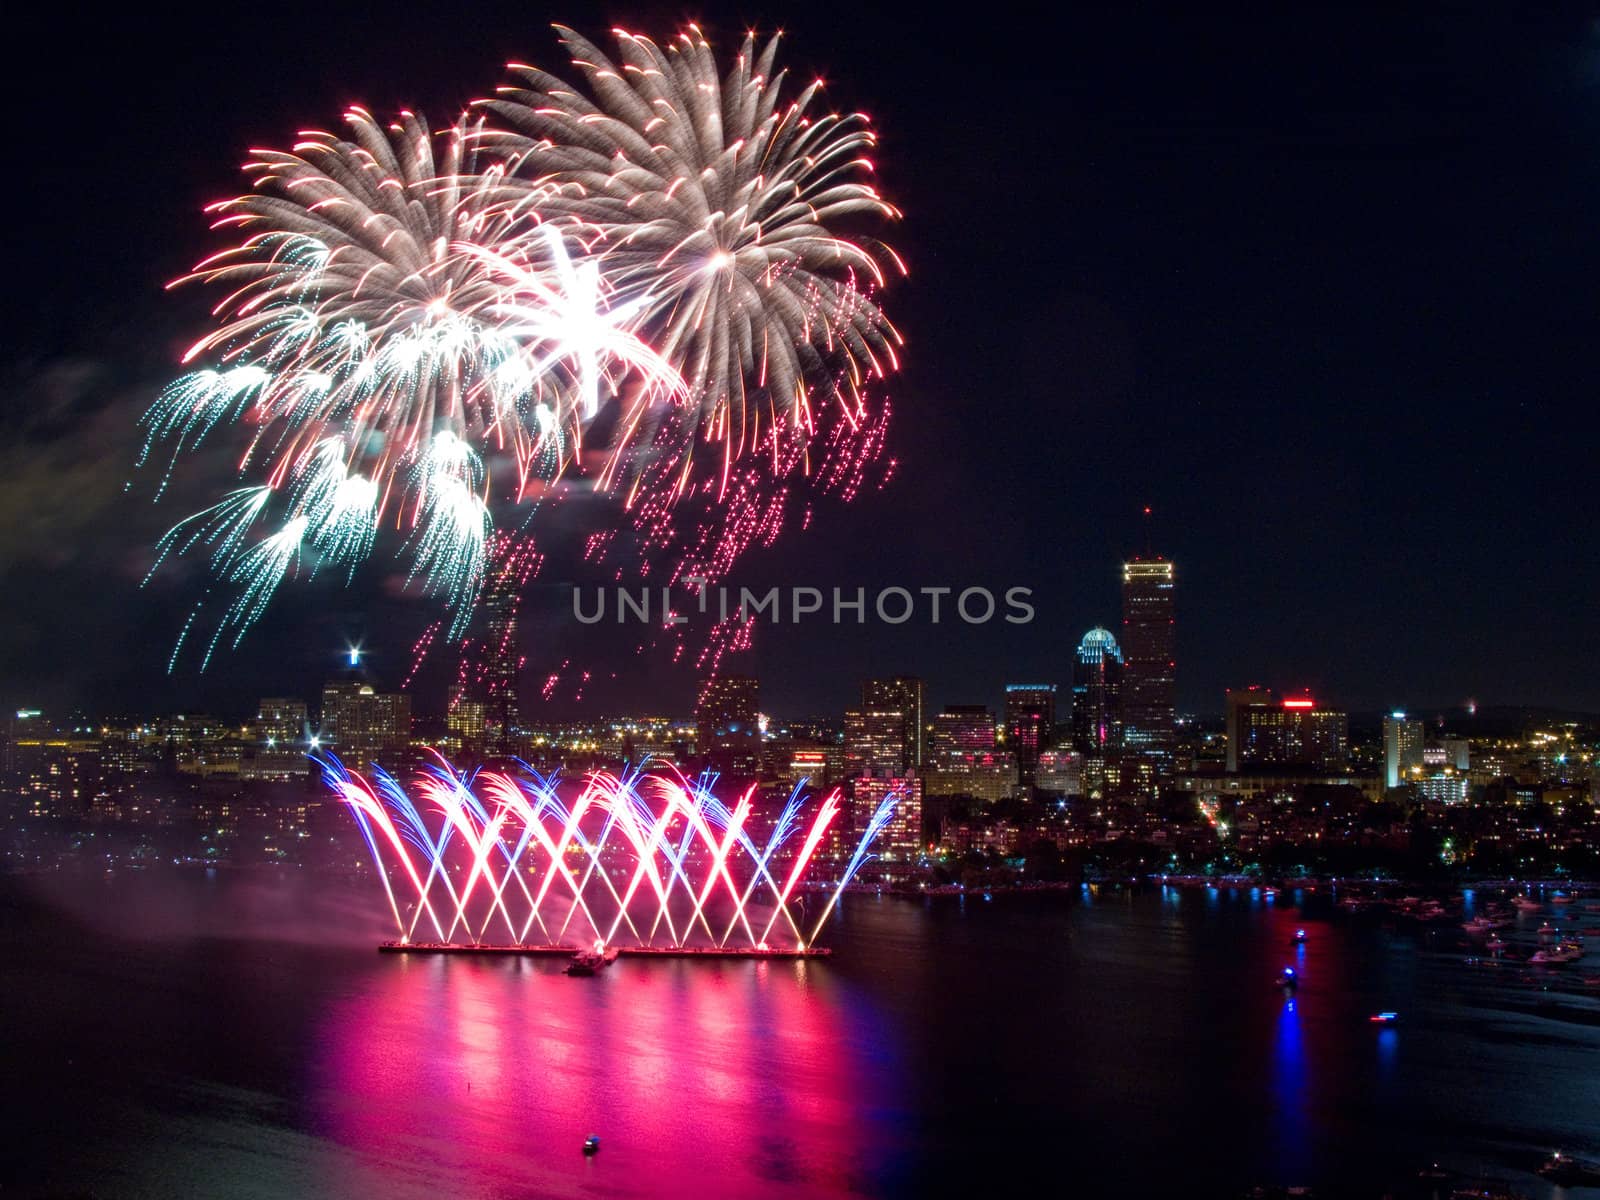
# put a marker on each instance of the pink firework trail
(652, 861)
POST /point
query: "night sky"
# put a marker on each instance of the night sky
(1320, 289)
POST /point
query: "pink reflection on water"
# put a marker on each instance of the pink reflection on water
(485, 1075)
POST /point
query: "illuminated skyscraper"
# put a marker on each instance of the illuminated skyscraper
(281, 741)
(727, 724)
(465, 719)
(281, 718)
(907, 696)
(963, 734)
(366, 726)
(1239, 700)
(1097, 695)
(1030, 723)
(1402, 748)
(875, 742)
(502, 666)
(26, 724)
(1264, 731)
(1149, 663)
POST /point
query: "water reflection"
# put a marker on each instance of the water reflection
(494, 1071)
(1291, 1104)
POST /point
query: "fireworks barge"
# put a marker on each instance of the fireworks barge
(397, 947)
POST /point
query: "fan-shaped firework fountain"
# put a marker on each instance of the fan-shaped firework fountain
(647, 862)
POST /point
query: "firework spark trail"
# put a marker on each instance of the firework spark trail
(522, 824)
(819, 827)
(677, 240)
(876, 824)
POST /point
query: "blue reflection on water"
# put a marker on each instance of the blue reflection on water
(1289, 1093)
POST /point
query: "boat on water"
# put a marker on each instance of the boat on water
(1481, 925)
(1557, 955)
(1387, 1017)
(1288, 981)
(1560, 899)
(589, 962)
(1525, 904)
(591, 1144)
(1568, 1171)
(1495, 944)
(1299, 937)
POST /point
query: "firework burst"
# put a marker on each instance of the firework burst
(415, 327)
(710, 201)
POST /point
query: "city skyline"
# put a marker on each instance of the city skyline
(1362, 377)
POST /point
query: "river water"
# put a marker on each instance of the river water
(236, 1035)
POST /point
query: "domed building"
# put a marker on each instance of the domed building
(1097, 703)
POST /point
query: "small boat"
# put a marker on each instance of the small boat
(1560, 899)
(1568, 1171)
(1288, 981)
(1558, 955)
(1524, 904)
(1434, 1173)
(1299, 938)
(1387, 1017)
(1495, 944)
(591, 1144)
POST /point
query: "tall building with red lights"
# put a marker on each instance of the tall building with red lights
(1296, 731)
(1030, 723)
(1149, 663)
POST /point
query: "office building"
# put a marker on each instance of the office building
(1060, 772)
(466, 719)
(907, 696)
(875, 742)
(1402, 749)
(1030, 724)
(1097, 695)
(1296, 731)
(960, 735)
(1149, 663)
(281, 741)
(728, 724)
(502, 660)
(55, 775)
(365, 726)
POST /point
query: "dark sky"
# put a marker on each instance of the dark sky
(1318, 287)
